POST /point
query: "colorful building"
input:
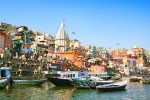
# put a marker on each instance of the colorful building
(96, 68)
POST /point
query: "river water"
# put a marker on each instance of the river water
(47, 91)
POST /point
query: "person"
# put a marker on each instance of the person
(43, 76)
(35, 71)
(49, 66)
(1, 53)
(26, 62)
(39, 70)
(5, 53)
(23, 57)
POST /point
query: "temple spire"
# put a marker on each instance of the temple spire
(61, 38)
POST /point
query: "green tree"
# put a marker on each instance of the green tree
(147, 53)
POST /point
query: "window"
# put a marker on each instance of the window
(63, 76)
(68, 75)
(73, 75)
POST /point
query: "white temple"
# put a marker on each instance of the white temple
(61, 39)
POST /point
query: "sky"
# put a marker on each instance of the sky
(100, 23)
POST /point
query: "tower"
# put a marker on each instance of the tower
(61, 39)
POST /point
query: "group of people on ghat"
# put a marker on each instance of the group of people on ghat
(41, 59)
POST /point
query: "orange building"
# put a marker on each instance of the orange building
(73, 57)
(136, 54)
(139, 56)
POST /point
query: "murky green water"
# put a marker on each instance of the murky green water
(47, 91)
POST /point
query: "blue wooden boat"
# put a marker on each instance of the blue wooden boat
(29, 81)
(5, 77)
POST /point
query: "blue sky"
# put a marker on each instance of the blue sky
(101, 23)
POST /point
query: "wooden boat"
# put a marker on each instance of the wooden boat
(116, 77)
(5, 77)
(29, 81)
(135, 79)
(113, 86)
(146, 81)
(61, 78)
(89, 82)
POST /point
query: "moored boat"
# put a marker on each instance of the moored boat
(135, 79)
(89, 82)
(5, 77)
(112, 87)
(146, 81)
(61, 78)
(116, 77)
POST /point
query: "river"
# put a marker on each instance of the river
(47, 91)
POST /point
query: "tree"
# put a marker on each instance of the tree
(146, 53)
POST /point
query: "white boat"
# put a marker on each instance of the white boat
(61, 78)
(113, 86)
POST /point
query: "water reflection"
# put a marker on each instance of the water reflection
(48, 91)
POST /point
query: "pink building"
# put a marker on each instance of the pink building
(97, 68)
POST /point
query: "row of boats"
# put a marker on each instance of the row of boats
(85, 81)
(68, 78)
(143, 79)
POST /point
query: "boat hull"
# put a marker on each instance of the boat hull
(29, 82)
(4, 83)
(59, 82)
(113, 88)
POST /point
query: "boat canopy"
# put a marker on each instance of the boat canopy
(4, 72)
